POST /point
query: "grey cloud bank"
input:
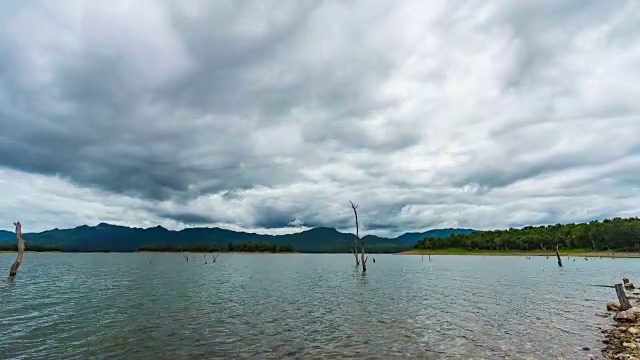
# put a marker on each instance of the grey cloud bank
(270, 116)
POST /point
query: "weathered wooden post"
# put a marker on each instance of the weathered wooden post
(622, 298)
(16, 264)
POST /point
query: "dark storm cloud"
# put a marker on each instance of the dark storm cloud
(271, 114)
(187, 218)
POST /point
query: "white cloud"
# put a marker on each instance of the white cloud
(271, 116)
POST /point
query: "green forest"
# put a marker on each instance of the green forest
(204, 247)
(616, 234)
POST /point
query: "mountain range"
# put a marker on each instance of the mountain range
(107, 237)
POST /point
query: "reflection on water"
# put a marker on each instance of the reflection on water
(130, 306)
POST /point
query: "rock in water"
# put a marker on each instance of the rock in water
(612, 306)
(628, 284)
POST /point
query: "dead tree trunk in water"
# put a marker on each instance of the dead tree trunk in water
(355, 241)
(558, 255)
(622, 298)
(16, 264)
(364, 260)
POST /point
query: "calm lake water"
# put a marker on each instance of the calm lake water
(142, 306)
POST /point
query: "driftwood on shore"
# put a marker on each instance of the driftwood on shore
(16, 264)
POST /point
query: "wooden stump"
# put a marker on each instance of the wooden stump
(622, 298)
(558, 255)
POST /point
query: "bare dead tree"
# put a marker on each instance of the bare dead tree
(16, 264)
(205, 258)
(215, 257)
(363, 259)
(355, 241)
(545, 250)
(613, 256)
(558, 255)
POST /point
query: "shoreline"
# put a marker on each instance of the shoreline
(445, 252)
(621, 339)
(31, 251)
(213, 252)
(570, 253)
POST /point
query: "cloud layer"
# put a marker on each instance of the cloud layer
(270, 116)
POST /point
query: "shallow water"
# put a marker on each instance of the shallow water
(130, 306)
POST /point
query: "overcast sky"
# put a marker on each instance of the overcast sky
(270, 116)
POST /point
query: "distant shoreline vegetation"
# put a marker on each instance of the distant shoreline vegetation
(27, 247)
(608, 235)
(203, 247)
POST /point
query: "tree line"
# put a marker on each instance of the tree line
(617, 234)
(204, 247)
(28, 247)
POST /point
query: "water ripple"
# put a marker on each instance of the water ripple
(123, 306)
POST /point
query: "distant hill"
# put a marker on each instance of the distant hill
(106, 237)
(6, 235)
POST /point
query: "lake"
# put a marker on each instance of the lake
(145, 305)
